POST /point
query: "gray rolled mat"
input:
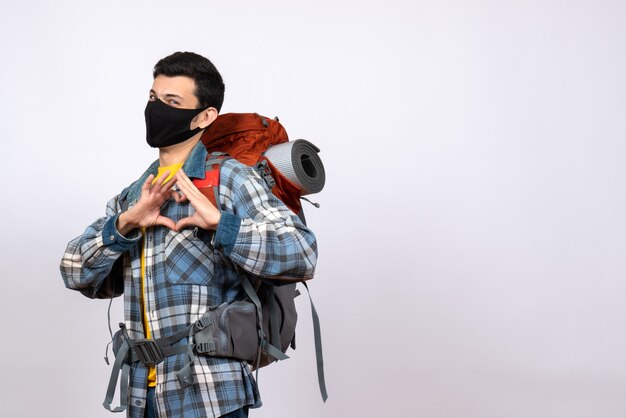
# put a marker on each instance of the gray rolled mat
(299, 161)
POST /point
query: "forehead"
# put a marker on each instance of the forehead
(178, 85)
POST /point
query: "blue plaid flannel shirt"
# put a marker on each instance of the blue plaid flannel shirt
(186, 273)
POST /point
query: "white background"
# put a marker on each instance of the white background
(472, 229)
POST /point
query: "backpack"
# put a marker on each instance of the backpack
(260, 329)
(294, 170)
(291, 169)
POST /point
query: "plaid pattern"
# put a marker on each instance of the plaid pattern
(188, 272)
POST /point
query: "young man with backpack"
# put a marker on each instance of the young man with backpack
(174, 255)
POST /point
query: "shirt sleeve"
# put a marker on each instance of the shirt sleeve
(258, 232)
(91, 263)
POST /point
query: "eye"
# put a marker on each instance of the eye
(151, 97)
(173, 102)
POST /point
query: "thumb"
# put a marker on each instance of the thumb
(185, 223)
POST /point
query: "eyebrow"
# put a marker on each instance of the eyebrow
(168, 95)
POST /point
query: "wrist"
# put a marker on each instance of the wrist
(124, 224)
(214, 223)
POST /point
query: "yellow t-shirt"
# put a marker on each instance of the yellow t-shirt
(152, 372)
(173, 170)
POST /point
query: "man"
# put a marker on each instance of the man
(173, 254)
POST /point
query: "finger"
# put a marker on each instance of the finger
(178, 196)
(185, 184)
(162, 176)
(166, 222)
(147, 183)
(181, 174)
(182, 180)
(164, 188)
(168, 187)
(185, 223)
(156, 185)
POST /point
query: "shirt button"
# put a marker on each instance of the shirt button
(112, 237)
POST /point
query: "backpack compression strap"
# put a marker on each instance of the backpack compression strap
(149, 352)
(123, 366)
(318, 347)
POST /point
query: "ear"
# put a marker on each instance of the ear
(206, 118)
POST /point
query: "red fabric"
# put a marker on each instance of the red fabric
(245, 137)
(205, 185)
(212, 179)
(285, 189)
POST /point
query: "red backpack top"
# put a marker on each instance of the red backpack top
(245, 137)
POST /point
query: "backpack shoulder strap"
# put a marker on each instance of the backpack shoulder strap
(209, 185)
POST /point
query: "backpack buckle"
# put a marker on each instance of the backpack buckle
(148, 352)
(266, 173)
(206, 347)
(203, 322)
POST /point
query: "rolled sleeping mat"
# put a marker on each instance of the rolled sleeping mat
(299, 161)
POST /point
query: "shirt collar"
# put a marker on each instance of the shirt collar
(195, 166)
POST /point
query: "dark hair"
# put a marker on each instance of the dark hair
(209, 84)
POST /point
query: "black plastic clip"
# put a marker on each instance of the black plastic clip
(148, 352)
(203, 322)
(206, 348)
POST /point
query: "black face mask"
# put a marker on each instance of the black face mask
(166, 125)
